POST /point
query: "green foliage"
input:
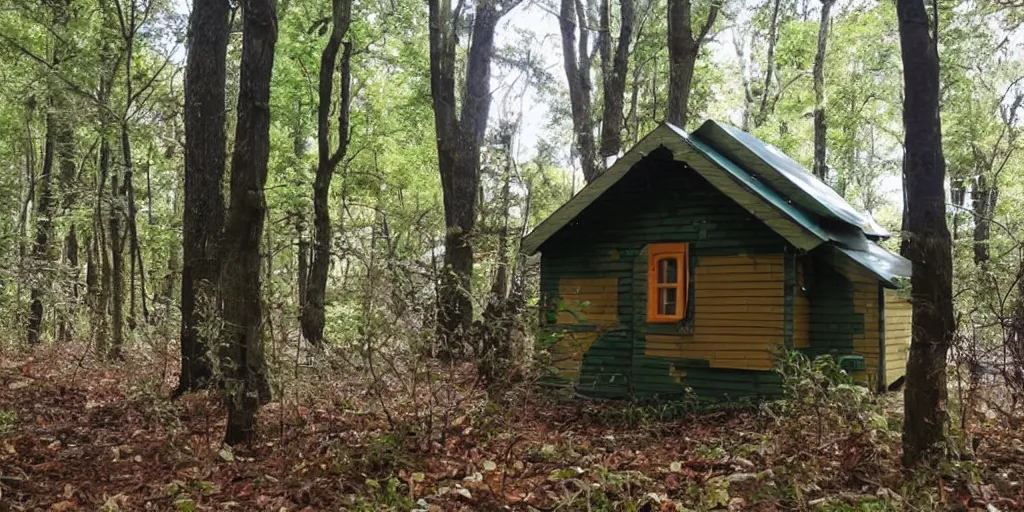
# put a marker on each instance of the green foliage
(385, 454)
(389, 494)
(8, 421)
(819, 389)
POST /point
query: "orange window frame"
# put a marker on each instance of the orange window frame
(657, 253)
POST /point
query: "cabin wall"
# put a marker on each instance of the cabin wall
(898, 316)
(737, 321)
(801, 309)
(847, 316)
(596, 267)
(865, 304)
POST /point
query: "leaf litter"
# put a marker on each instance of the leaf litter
(88, 436)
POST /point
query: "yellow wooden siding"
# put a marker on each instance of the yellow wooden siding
(738, 311)
(590, 301)
(898, 319)
(584, 301)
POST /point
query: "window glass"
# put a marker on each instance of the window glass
(667, 301)
(668, 271)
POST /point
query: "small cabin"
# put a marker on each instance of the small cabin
(695, 257)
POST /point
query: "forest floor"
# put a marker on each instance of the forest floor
(76, 434)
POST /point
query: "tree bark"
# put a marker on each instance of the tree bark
(773, 38)
(240, 282)
(98, 271)
(820, 127)
(984, 197)
(117, 239)
(203, 211)
(42, 254)
(927, 243)
(614, 71)
(65, 150)
(577, 71)
(327, 162)
(683, 50)
(458, 147)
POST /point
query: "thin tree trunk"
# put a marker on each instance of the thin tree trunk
(65, 150)
(41, 251)
(149, 186)
(820, 127)
(984, 197)
(242, 355)
(773, 38)
(71, 250)
(203, 210)
(117, 239)
(683, 50)
(928, 243)
(614, 73)
(577, 71)
(327, 162)
(303, 269)
(499, 287)
(98, 271)
(30, 193)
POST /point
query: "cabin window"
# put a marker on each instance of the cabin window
(667, 282)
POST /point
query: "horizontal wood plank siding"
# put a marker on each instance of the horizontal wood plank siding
(898, 317)
(865, 303)
(737, 293)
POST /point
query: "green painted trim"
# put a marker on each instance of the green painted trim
(763, 202)
(789, 288)
(882, 384)
(785, 175)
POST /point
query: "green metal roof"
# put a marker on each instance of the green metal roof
(786, 175)
(754, 183)
(885, 265)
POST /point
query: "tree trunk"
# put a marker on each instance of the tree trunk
(203, 211)
(577, 72)
(65, 150)
(41, 251)
(117, 238)
(98, 270)
(614, 73)
(134, 252)
(303, 269)
(928, 243)
(71, 251)
(242, 359)
(458, 147)
(683, 50)
(984, 197)
(820, 127)
(773, 38)
(30, 193)
(327, 162)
